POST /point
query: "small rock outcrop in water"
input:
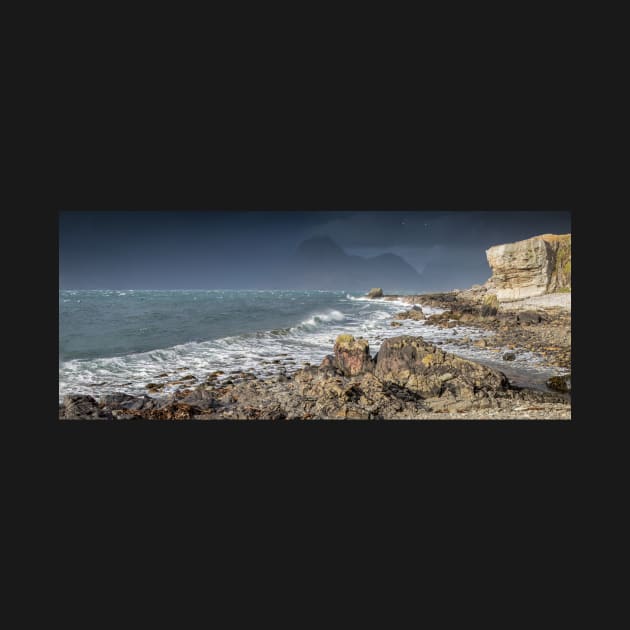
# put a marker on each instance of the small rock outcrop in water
(536, 266)
(375, 293)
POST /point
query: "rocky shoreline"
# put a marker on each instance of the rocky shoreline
(408, 378)
(544, 330)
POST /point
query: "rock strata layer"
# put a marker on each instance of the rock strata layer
(532, 267)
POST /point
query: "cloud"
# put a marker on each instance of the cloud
(226, 248)
(429, 228)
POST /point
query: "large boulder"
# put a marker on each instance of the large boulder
(375, 293)
(535, 266)
(352, 356)
(412, 363)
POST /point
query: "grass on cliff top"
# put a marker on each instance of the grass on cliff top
(556, 237)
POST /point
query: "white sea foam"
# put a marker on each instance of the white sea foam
(319, 318)
(308, 341)
(428, 310)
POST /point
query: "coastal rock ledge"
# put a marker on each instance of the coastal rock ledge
(407, 379)
(530, 268)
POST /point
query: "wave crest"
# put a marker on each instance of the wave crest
(319, 318)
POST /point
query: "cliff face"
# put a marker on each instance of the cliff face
(536, 266)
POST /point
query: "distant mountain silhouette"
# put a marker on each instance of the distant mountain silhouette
(319, 263)
(318, 249)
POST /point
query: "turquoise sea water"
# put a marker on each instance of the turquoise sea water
(113, 340)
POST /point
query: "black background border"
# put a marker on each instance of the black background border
(134, 168)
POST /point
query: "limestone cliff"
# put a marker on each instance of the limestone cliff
(536, 266)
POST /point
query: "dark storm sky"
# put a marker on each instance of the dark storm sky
(235, 249)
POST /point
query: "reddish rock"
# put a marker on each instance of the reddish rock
(352, 356)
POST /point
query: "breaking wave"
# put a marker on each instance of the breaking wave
(271, 343)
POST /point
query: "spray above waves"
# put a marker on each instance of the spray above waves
(313, 323)
(318, 319)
